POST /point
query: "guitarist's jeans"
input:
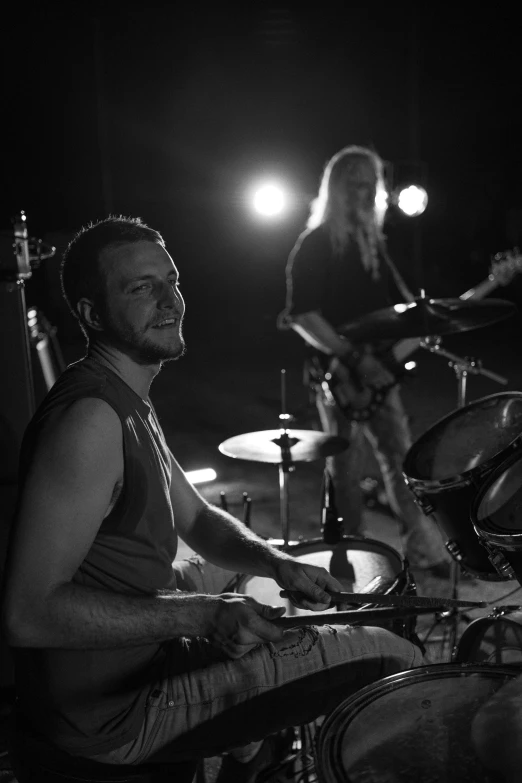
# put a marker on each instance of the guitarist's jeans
(388, 434)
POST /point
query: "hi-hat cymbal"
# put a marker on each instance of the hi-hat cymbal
(427, 317)
(283, 446)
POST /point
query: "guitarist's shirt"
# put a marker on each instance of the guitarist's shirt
(91, 701)
(336, 285)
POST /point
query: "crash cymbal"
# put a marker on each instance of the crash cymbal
(427, 317)
(278, 446)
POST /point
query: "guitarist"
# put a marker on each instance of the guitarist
(339, 271)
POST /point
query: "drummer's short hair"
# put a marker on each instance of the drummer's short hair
(81, 273)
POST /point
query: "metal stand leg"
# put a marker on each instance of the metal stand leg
(284, 503)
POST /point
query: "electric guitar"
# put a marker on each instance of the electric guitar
(359, 399)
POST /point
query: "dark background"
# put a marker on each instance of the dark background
(170, 111)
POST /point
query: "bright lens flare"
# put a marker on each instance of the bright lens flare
(412, 200)
(269, 200)
(200, 476)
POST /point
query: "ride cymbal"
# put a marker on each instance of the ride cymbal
(426, 318)
(278, 446)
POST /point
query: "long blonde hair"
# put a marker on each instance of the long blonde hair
(363, 224)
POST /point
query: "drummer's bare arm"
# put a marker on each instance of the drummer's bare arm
(223, 540)
(67, 493)
(215, 534)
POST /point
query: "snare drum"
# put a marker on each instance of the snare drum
(412, 726)
(493, 639)
(356, 561)
(496, 514)
(447, 465)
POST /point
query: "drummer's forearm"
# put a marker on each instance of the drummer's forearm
(224, 541)
(318, 333)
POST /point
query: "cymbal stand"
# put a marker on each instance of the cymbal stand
(286, 466)
(463, 366)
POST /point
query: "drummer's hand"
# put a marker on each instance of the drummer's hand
(236, 624)
(306, 586)
(372, 372)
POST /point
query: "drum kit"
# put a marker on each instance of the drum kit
(465, 472)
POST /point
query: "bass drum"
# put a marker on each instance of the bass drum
(411, 727)
(361, 565)
(448, 464)
(493, 639)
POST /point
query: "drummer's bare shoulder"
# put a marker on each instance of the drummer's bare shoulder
(80, 452)
(86, 426)
(68, 488)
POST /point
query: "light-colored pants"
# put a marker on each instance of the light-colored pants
(211, 704)
(388, 433)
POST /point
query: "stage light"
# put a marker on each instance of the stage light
(412, 200)
(269, 199)
(200, 476)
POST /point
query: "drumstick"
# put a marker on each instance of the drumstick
(357, 616)
(401, 600)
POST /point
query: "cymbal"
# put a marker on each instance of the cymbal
(298, 446)
(427, 317)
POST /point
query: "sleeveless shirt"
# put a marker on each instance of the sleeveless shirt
(91, 701)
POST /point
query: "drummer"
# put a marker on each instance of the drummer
(338, 272)
(122, 656)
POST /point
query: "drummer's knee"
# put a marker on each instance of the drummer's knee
(395, 653)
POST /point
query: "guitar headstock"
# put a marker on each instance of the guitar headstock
(504, 266)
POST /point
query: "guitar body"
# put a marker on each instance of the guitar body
(359, 398)
(356, 398)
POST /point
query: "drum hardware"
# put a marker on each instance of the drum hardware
(454, 550)
(426, 316)
(332, 527)
(495, 638)
(247, 507)
(504, 569)
(501, 611)
(463, 366)
(283, 447)
(223, 500)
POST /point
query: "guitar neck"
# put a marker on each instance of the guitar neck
(482, 289)
(405, 348)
